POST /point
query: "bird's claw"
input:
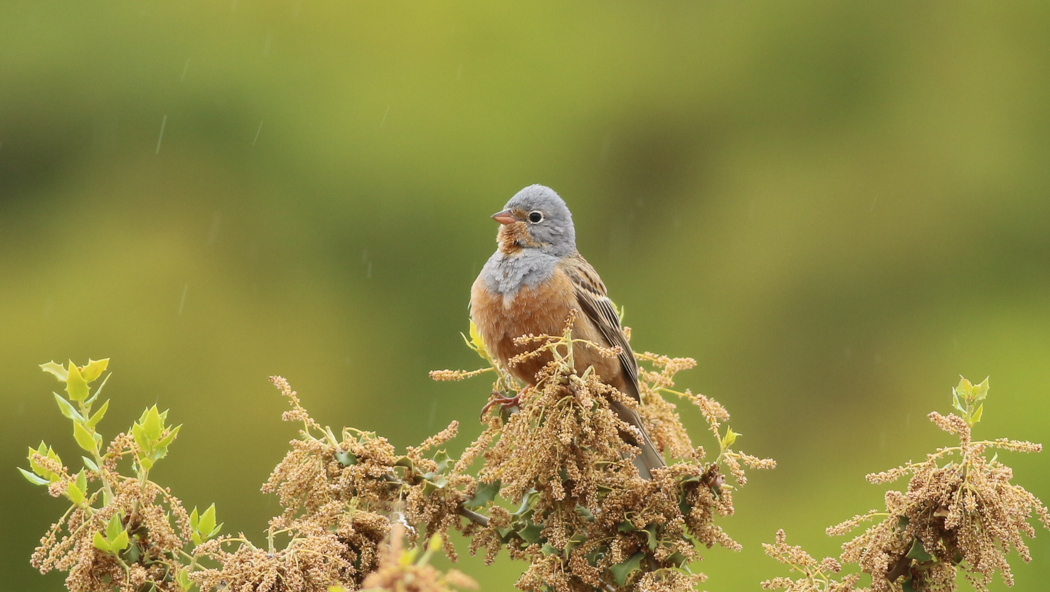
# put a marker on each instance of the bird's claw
(503, 402)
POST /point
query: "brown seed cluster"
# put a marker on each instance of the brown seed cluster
(340, 497)
(815, 576)
(960, 510)
(584, 519)
(157, 524)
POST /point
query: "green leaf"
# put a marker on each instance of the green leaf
(585, 513)
(346, 458)
(56, 369)
(94, 369)
(161, 449)
(207, 522)
(132, 554)
(139, 435)
(531, 534)
(82, 481)
(76, 386)
(146, 463)
(100, 543)
(151, 424)
(91, 423)
(729, 439)
(443, 460)
(652, 541)
(84, 437)
(483, 494)
(918, 552)
(980, 391)
(626, 526)
(89, 463)
(621, 571)
(194, 519)
(115, 527)
(121, 542)
(976, 417)
(98, 390)
(33, 478)
(67, 408)
(75, 494)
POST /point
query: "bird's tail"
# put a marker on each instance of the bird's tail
(649, 458)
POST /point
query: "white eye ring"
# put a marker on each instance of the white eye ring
(536, 217)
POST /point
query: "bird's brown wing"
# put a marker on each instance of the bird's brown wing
(595, 303)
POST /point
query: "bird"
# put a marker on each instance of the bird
(531, 285)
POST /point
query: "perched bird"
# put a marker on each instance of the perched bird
(531, 284)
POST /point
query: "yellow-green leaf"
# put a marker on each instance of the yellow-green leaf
(84, 437)
(152, 424)
(980, 391)
(33, 478)
(207, 522)
(94, 369)
(56, 369)
(976, 417)
(100, 543)
(114, 527)
(120, 543)
(67, 408)
(75, 494)
(91, 423)
(76, 386)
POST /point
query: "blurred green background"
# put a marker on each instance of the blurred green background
(835, 207)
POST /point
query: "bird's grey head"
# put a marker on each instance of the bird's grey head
(536, 217)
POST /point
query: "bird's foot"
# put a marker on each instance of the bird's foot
(503, 402)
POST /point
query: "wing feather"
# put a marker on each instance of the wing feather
(595, 302)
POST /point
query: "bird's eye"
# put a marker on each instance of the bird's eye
(535, 217)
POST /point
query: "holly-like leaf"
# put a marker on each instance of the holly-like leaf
(483, 494)
(94, 369)
(206, 526)
(976, 417)
(152, 424)
(980, 391)
(101, 543)
(76, 386)
(120, 542)
(622, 571)
(75, 494)
(918, 552)
(57, 369)
(114, 527)
(84, 437)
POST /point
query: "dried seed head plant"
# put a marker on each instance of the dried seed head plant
(585, 519)
(959, 511)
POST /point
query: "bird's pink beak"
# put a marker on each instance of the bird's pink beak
(504, 217)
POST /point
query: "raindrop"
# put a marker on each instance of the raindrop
(257, 132)
(185, 69)
(384, 117)
(163, 123)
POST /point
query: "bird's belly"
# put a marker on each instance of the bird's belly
(540, 310)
